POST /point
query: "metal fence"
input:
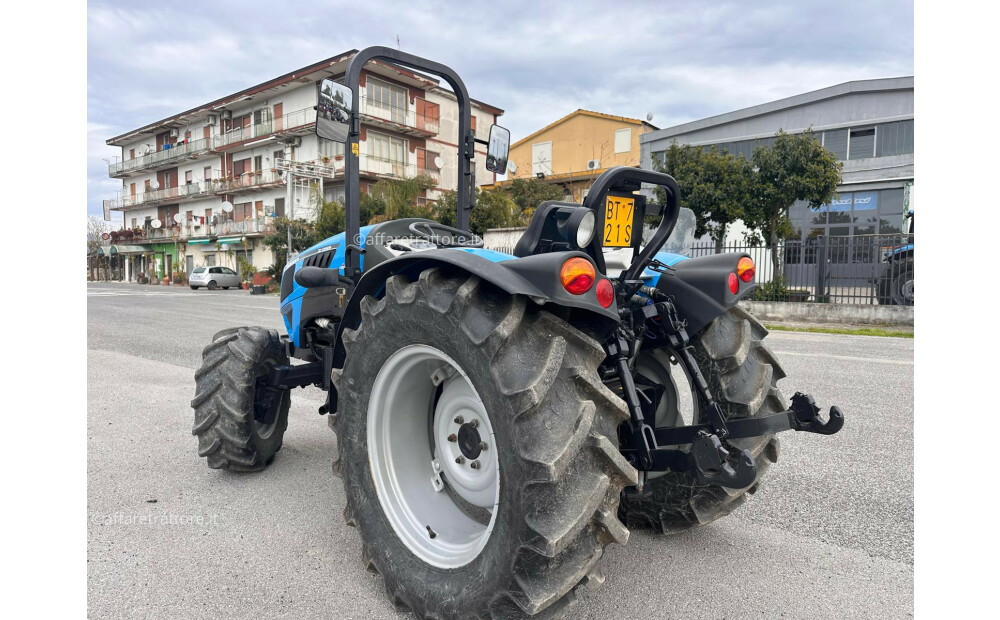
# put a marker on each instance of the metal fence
(860, 269)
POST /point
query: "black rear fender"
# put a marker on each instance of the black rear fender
(536, 277)
(700, 288)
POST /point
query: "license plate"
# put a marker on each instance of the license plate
(619, 212)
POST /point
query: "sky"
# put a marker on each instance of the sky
(538, 61)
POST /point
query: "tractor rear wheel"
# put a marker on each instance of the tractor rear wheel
(239, 424)
(742, 376)
(477, 447)
(902, 284)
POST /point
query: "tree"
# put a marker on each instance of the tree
(399, 197)
(494, 209)
(796, 167)
(715, 185)
(96, 227)
(527, 194)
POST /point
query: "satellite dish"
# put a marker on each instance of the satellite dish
(154, 184)
(438, 162)
(227, 207)
(178, 218)
(156, 223)
(512, 167)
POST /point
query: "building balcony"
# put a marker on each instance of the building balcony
(393, 169)
(207, 232)
(397, 119)
(294, 123)
(169, 156)
(181, 193)
(246, 182)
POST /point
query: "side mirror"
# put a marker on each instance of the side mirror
(333, 112)
(498, 149)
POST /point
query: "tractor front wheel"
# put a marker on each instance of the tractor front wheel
(239, 423)
(476, 443)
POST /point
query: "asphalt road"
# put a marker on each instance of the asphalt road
(829, 534)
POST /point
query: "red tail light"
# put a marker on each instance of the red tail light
(605, 293)
(734, 283)
(745, 269)
(577, 275)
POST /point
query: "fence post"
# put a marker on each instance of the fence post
(820, 289)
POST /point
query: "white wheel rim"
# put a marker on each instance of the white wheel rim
(439, 505)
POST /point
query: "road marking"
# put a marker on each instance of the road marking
(847, 358)
(109, 293)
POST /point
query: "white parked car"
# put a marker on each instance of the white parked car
(214, 277)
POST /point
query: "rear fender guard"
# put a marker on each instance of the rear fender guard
(536, 277)
(700, 288)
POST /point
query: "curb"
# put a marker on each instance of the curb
(835, 315)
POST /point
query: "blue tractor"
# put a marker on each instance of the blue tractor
(502, 418)
(895, 281)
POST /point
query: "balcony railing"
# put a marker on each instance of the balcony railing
(274, 126)
(403, 117)
(168, 155)
(246, 181)
(188, 230)
(182, 192)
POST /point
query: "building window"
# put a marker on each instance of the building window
(386, 148)
(541, 158)
(836, 141)
(623, 140)
(189, 177)
(382, 95)
(331, 148)
(862, 143)
(208, 173)
(894, 139)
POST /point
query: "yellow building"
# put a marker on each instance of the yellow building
(573, 151)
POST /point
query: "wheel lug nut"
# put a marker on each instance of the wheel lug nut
(482, 445)
(460, 460)
(452, 438)
(474, 423)
(474, 464)
(459, 419)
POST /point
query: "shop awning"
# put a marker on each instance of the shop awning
(197, 241)
(231, 240)
(123, 249)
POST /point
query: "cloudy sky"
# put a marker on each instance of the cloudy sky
(537, 60)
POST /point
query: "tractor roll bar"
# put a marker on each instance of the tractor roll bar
(466, 141)
(624, 177)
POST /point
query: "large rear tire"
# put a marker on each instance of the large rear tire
(226, 402)
(532, 380)
(742, 375)
(902, 284)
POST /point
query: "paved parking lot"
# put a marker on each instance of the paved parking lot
(829, 535)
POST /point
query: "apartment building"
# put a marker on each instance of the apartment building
(574, 150)
(202, 187)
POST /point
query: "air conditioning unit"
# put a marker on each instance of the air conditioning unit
(227, 115)
(174, 133)
(594, 164)
(212, 119)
